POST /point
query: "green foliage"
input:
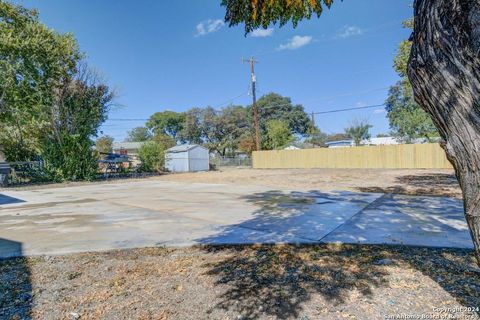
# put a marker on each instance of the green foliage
(164, 140)
(407, 120)
(166, 122)
(139, 134)
(316, 137)
(152, 155)
(51, 106)
(383, 135)
(81, 107)
(278, 135)
(192, 129)
(261, 13)
(358, 131)
(34, 62)
(224, 130)
(275, 107)
(104, 144)
(74, 159)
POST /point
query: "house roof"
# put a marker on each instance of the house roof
(339, 142)
(183, 148)
(127, 145)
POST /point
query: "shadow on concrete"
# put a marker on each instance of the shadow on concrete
(295, 217)
(15, 283)
(408, 220)
(276, 280)
(439, 184)
(4, 199)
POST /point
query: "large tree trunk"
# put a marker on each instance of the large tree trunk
(444, 70)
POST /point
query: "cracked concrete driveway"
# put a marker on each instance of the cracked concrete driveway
(153, 213)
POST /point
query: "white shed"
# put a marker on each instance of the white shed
(187, 158)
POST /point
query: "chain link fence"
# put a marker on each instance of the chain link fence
(231, 161)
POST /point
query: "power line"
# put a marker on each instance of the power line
(350, 109)
(318, 112)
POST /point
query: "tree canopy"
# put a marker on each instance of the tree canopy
(104, 144)
(278, 135)
(358, 131)
(34, 62)
(51, 104)
(166, 122)
(273, 106)
(261, 13)
(230, 129)
(139, 134)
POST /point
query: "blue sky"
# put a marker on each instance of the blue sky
(174, 55)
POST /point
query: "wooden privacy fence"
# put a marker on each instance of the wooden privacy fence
(404, 156)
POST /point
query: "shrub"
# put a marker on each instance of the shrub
(152, 155)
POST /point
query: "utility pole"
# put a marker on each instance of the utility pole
(313, 129)
(252, 62)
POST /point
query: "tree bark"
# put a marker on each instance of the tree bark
(444, 70)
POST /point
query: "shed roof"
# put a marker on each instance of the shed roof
(182, 148)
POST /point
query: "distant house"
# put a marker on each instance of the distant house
(187, 158)
(382, 141)
(127, 148)
(340, 144)
(291, 148)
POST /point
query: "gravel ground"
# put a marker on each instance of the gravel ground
(401, 181)
(242, 282)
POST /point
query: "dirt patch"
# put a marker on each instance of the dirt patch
(415, 182)
(241, 282)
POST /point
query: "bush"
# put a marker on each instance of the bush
(152, 155)
(72, 160)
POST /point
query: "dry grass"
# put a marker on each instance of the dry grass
(241, 282)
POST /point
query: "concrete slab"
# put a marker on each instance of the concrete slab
(407, 220)
(152, 213)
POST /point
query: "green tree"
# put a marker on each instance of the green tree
(139, 134)
(152, 153)
(81, 106)
(275, 107)
(167, 122)
(192, 128)
(316, 137)
(35, 62)
(408, 120)
(358, 131)
(218, 130)
(104, 144)
(278, 135)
